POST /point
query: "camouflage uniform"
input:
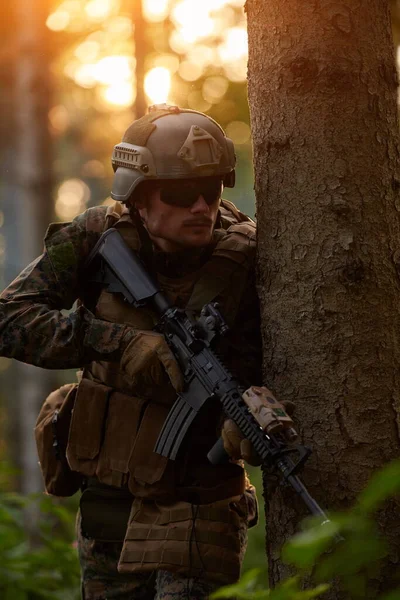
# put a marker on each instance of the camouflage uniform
(34, 329)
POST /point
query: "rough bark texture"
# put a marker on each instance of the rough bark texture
(322, 94)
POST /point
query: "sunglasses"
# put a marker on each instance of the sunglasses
(184, 193)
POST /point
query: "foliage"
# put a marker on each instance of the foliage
(349, 547)
(40, 562)
(37, 562)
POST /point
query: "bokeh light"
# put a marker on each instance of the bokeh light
(59, 118)
(119, 94)
(120, 25)
(59, 20)
(93, 168)
(193, 21)
(214, 88)
(88, 51)
(72, 197)
(157, 84)
(97, 10)
(235, 44)
(190, 71)
(113, 69)
(156, 11)
(205, 35)
(239, 132)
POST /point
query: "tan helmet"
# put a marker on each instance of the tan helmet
(171, 143)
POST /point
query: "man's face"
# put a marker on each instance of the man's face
(172, 227)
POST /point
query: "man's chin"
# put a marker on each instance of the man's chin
(197, 241)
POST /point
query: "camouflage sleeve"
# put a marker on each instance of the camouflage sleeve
(33, 326)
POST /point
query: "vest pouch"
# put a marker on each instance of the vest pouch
(150, 473)
(87, 426)
(205, 541)
(51, 435)
(120, 431)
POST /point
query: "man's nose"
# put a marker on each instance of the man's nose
(200, 206)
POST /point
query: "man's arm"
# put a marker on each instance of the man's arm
(33, 328)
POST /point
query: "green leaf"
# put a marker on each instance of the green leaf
(290, 590)
(356, 554)
(304, 548)
(383, 484)
(249, 587)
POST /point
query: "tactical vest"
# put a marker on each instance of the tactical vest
(116, 422)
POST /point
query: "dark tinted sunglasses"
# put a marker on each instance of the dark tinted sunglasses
(185, 192)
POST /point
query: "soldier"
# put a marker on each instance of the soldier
(147, 527)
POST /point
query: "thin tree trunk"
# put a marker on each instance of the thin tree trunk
(140, 105)
(322, 94)
(33, 208)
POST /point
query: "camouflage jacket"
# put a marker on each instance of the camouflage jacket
(37, 325)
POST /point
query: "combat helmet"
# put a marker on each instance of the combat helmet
(171, 143)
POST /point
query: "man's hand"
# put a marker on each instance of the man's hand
(149, 350)
(237, 446)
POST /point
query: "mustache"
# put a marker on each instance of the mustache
(202, 221)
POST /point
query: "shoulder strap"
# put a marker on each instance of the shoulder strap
(230, 214)
(232, 258)
(118, 216)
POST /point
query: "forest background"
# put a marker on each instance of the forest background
(73, 75)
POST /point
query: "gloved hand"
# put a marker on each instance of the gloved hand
(237, 446)
(149, 350)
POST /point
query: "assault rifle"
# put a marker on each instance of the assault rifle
(259, 416)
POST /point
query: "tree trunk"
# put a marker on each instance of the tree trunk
(140, 26)
(28, 211)
(322, 94)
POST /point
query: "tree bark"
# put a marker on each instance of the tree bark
(323, 102)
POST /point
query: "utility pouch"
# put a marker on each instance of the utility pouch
(51, 435)
(103, 431)
(120, 432)
(87, 426)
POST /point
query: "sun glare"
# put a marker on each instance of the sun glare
(119, 94)
(193, 20)
(203, 33)
(111, 70)
(157, 84)
(235, 44)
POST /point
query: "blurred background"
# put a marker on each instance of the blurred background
(73, 75)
